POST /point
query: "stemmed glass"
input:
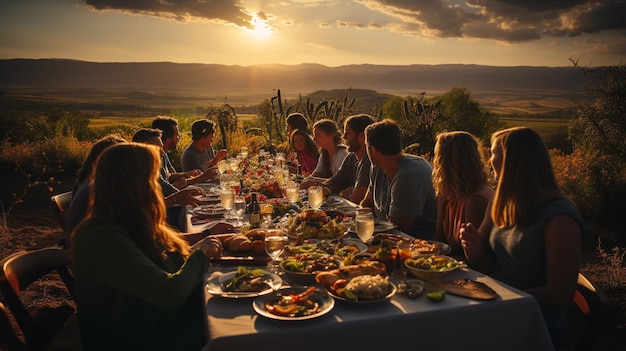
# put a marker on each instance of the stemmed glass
(364, 224)
(274, 246)
(240, 209)
(227, 199)
(222, 167)
(316, 197)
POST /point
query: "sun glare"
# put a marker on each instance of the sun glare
(261, 29)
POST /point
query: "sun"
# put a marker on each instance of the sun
(261, 28)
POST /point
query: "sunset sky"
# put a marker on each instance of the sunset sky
(328, 32)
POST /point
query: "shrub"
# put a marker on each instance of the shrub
(595, 183)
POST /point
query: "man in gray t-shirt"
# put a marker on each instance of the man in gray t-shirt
(200, 154)
(401, 188)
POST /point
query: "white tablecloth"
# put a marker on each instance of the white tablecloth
(511, 322)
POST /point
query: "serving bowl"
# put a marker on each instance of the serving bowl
(429, 267)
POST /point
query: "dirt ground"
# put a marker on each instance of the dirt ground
(31, 225)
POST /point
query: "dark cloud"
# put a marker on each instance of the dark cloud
(504, 20)
(227, 11)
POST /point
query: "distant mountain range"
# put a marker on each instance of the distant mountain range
(166, 77)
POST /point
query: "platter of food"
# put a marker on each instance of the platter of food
(294, 304)
(366, 282)
(208, 211)
(243, 283)
(302, 268)
(313, 224)
(413, 245)
(364, 289)
(243, 248)
(428, 267)
(341, 247)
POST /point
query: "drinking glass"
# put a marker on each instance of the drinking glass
(364, 224)
(222, 166)
(227, 199)
(244, 151)
(274, 246)
(316, 197)
(291, 192)
(240, 209)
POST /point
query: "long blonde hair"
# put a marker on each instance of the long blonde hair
(459, 165)
(526, 178)
(125, 191)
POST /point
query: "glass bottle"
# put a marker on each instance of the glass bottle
(255, 211)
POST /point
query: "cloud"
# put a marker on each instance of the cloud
(223, 11)
(502, 20)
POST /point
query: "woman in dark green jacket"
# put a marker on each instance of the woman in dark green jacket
(138, 282)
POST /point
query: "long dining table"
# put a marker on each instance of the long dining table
(512, 321)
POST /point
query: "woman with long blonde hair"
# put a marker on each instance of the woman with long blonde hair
(531, 237)
(461, 182)
(138, 282)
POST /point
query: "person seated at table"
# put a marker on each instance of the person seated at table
(327, 137)
(200, 154)
(80, 192)
(170, 138)
(353, 176)
(172, 194)
(401, 188)
(138, 283)
(306, 150)
(295, 121)
(530, 238)
(175, 199)
(461, 182)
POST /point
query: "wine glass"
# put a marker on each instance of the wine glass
(227, 199)
(274, 246)
(364, 224)
(240, 209)
(222, 167)
(316, 197)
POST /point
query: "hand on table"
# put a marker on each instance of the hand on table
(187, 196)
(210, 246)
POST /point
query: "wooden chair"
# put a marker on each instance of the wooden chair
(593, 305)
(8, 331)
(17, 272)
(60, 203)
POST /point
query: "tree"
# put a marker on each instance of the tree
(461, 112)
(601, 124)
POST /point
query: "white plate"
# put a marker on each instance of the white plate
(393, 291)
(214, 285)
(326, 303)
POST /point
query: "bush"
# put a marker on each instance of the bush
(595, 183)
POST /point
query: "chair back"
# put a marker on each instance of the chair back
(593, 305)
(61, 203)
(18, 271)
